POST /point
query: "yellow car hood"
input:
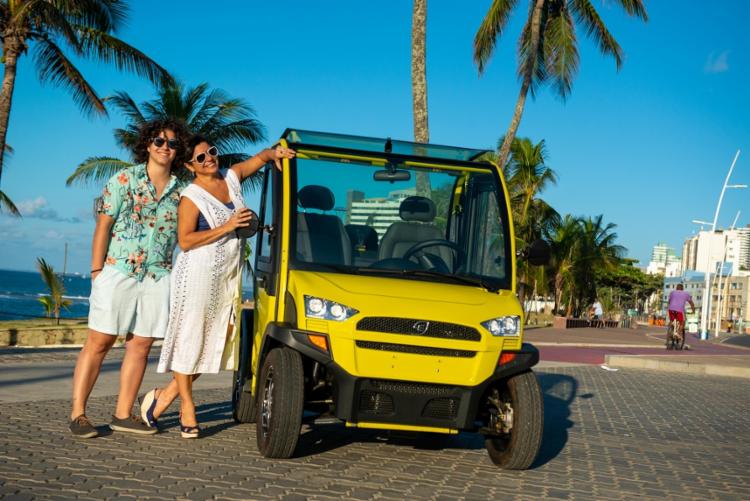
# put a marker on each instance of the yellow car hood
(388, 296)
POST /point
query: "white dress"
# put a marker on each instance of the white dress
(205, 294)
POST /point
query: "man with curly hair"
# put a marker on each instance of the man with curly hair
(135, 235)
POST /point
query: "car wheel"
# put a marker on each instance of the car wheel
(521, 410)
(280, 403)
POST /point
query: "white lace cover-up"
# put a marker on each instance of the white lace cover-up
(205, 294)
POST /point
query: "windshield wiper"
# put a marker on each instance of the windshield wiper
(457, 278)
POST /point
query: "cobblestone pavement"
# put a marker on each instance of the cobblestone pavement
(608, 435)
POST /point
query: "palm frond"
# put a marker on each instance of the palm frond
(205, 104)
(587, 15)
(96, 169)
(528, 63)
(109, 49)
(102, 15)
(54, 20)
(50, 279)
(6, 204)
(634, 8)
(236, 135)
(490, 30)
(561, 51)
(126, 105)
(126, 138)
(49, 306)
(55, 68)
(153, 110)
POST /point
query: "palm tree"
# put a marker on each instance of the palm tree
(527, 176)
(547, 47)
(86, 28)
(564, 238)
(596, 252)
(419, 85)
(55, 301)
(229, 123)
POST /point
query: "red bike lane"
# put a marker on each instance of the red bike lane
(596, 354)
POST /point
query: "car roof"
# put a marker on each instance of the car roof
(380, 145)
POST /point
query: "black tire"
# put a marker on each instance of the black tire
(680, 341)
(670, 336)
(517, 449)
(281, 394)
(243, 403)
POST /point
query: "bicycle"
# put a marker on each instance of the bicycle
(675, 336)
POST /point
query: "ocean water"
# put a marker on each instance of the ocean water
(20, 292)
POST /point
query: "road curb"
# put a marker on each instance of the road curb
(597, 345)
(683, 366)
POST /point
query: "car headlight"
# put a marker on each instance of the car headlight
(504, 326)
(316, 307)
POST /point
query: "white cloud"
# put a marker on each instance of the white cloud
(717, 63)
(53, 235)
(37, 208)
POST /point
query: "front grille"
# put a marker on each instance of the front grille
(417, 350)
(436, 390)
(376, 403)
(417, 327)
(441, 408)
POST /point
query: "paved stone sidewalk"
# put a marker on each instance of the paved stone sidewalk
(608, 435)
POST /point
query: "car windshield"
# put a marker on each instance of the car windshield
(409, 219)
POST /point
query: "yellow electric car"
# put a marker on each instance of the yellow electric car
(385, 298)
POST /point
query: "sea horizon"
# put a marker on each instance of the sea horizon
(20, 291)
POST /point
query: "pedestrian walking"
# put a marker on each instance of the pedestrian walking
(598, 312)
(135, 235)
(203, 331)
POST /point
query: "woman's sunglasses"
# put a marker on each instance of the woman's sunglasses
(202, 157)
(172, 144)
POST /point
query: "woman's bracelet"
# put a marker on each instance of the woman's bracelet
(98, 269)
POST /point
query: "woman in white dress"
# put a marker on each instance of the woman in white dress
(205, 283)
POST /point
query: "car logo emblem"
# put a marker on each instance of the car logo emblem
(421, 327)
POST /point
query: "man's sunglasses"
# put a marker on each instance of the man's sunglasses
(202, 157)
(172, 144)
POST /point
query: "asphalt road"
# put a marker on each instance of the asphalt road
(626, 434)
(741, 340)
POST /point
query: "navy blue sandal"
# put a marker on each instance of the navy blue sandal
(189, 431)
(148, 404)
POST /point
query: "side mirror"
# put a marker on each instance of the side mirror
(537, 254)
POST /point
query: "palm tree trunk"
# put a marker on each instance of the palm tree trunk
(536, 20)
(419, 85)
(11, 50)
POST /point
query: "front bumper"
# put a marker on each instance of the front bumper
(415, 404)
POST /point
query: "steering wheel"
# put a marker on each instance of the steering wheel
(433, 261)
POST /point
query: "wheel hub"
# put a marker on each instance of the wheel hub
(501, 413)
(267, 403)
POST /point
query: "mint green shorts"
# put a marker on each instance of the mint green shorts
(119, 305)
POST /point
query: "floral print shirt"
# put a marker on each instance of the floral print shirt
(144, 233)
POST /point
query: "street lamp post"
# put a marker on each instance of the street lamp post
(719, 288)
(706, 287)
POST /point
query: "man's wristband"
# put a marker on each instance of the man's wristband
(98, 269)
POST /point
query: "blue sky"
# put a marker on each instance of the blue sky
(648, 146)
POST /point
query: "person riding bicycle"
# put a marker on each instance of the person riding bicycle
(677, 300)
